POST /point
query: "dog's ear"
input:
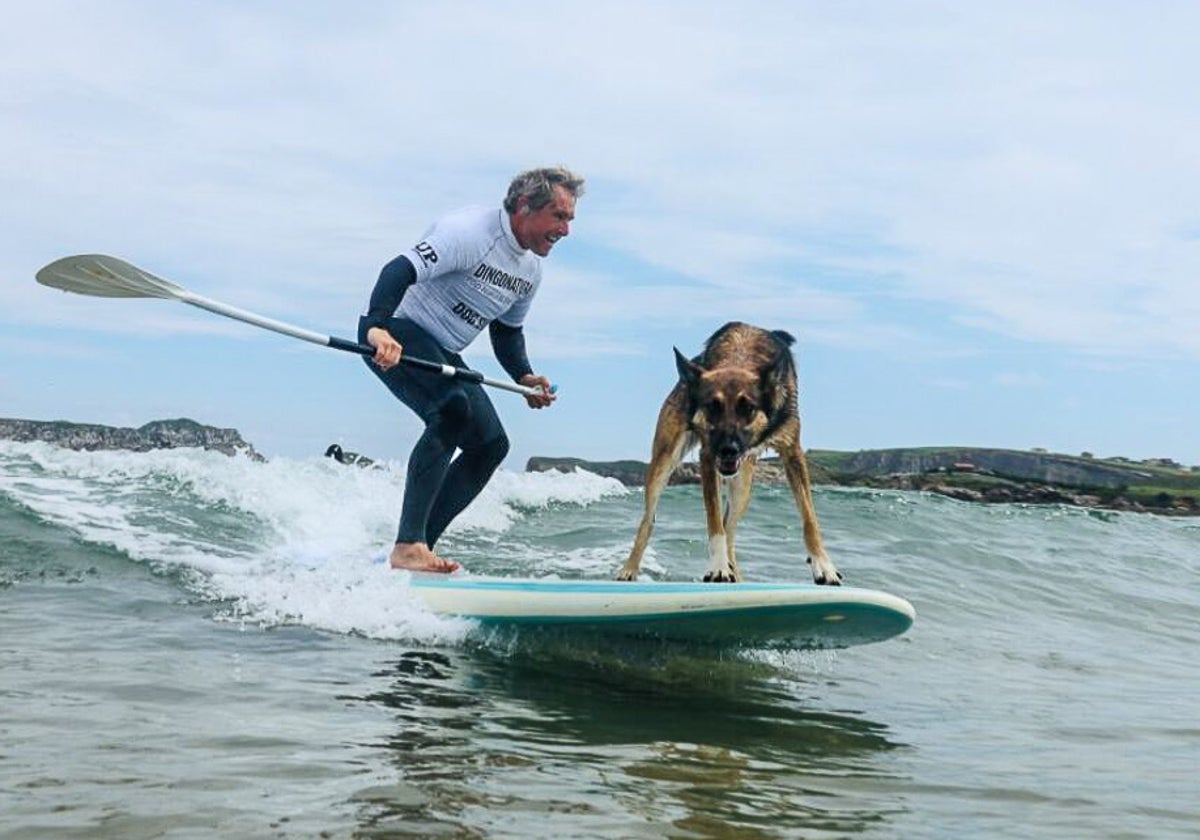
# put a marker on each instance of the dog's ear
(778, 370)
(689, 371)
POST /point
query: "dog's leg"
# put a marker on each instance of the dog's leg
(670, 439)
(735, 506)
(796, 467)
(720, 570)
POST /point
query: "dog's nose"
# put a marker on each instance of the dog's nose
(727, 450)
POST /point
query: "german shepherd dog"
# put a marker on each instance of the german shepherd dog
(735, 399)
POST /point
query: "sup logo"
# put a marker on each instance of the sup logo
(426, 253)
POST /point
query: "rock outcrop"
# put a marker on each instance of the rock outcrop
(157, 434)
(1043, 467)
(977, 475)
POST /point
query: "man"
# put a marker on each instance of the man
(478, 267)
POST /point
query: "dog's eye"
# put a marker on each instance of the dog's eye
(746, 408)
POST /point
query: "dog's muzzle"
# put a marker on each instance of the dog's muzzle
(729, 458)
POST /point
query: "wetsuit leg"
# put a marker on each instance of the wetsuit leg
(484, 445)
(456, 415)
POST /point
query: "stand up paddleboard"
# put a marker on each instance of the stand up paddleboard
(791, 615)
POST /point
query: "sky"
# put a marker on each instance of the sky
(981, 221)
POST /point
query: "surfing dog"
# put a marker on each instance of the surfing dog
(738, 397)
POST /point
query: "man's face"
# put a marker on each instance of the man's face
(538, 230)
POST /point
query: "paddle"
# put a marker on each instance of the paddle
(103, 276)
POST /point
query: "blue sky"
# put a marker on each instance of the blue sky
(981, 221)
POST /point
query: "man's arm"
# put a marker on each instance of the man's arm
(394, 280)
(509, 346)
(508, 343)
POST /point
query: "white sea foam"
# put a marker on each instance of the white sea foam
(288, 541)
(509, 494)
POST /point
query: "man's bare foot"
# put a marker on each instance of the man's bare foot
(418, 557)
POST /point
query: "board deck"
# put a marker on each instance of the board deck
(792, 615)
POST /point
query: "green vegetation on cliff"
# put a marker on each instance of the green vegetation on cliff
(1007, 475)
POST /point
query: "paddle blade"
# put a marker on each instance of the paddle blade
(102, 276)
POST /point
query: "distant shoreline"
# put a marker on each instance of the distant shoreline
(974, 474)
(997, 476)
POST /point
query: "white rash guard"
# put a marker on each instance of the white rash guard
(470, 271)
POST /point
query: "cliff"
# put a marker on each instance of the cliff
(969, 474)
(1043, 467)
(157, 434)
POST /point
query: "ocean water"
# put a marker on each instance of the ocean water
(199, 646)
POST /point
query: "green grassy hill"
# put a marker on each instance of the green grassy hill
(968, 473)
(1017, 475)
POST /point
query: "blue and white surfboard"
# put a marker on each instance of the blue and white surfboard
(793, 615)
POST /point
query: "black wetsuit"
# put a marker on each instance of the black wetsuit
(458, 415)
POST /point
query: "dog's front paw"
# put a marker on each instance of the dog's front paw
(824, 572)
(725, 575)
(627, 573)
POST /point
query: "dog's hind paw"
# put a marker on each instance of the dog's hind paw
(825, 573)
(627, 574)
(723, 576)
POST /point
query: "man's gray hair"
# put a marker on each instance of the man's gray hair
(537, 186)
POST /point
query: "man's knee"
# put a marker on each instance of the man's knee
(486, 456)
(498, 448)
(452, 418)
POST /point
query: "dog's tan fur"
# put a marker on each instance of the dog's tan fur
(735, 399)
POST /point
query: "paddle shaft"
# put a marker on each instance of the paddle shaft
(347, 345)
(100, 275)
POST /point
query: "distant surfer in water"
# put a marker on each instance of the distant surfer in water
(475, 268)
(343, 457)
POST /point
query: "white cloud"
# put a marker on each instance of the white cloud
(910, 180)
(1029, 179)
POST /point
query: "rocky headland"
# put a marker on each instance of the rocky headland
(969, 474)
(157, 434)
